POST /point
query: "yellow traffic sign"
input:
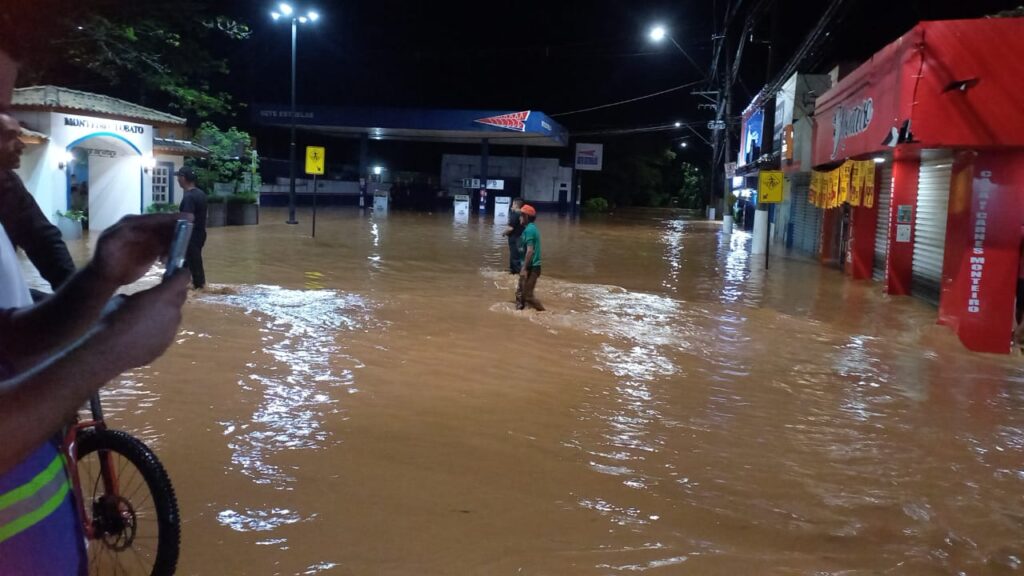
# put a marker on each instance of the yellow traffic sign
(769, 187)
(315, 160)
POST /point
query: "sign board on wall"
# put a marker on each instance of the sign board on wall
(753, 136)
(474, 184)
(904, 214)
(589, 157)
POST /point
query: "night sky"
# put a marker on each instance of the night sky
(553, 56)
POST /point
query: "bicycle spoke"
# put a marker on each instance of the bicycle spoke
(138, 558)
(124, 462)
(129, 515)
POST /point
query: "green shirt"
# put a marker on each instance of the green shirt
(530, 237)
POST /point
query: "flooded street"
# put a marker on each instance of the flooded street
(369, 402)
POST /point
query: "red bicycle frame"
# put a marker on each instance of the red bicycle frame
(107, 471)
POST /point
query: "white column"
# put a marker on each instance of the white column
(727, 224)
(760, 232)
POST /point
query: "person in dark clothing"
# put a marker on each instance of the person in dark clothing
(21, 217)
(513, 231)
(193, 201)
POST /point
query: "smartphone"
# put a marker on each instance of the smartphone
(176, 257)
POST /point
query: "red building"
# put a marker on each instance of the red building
(941, 110)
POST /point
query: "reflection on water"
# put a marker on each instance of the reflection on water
(679, 409)
(297, 373)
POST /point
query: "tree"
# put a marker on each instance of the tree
(230, 158)
(156, 53)
(691, 191)
(643, 172)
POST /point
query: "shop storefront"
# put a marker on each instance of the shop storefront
(96, 154)
(799, 221)
(943, 129)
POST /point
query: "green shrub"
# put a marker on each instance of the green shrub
(215, 199)
(595, 206)
(73, 215)
(242, 199)
(161, 208)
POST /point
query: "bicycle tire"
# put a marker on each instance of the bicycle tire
(161, 494)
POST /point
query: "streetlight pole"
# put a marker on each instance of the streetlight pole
(291, 150)
(286, 10)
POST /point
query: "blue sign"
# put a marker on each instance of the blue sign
(753, 137)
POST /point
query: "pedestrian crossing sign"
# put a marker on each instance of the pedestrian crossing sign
(769, 189)
(315, 160)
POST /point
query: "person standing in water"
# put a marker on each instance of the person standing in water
(194, 202)
(513, 231)
(529, 244)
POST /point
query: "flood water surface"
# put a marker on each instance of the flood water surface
(369, 402)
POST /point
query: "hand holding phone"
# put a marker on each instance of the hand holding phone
(176, 256)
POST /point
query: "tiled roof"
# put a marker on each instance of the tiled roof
(182, 147)
(55, 97)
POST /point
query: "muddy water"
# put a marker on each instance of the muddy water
(369, 402)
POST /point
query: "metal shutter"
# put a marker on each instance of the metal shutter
(806, 219)
(930, 223)
(884, 200)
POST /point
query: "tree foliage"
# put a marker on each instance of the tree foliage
(644, 173)
(162, 54)
(230, 159)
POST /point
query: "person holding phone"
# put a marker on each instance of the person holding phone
(21, 217)
(53, 356)
(193, 201)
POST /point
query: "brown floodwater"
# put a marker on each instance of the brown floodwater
(369, 402)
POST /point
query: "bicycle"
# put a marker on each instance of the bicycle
(117, 520)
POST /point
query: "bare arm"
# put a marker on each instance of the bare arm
(36, 403)
(123, 254)
(527, 259)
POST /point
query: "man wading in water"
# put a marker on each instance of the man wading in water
(513, 231)
(529, 244)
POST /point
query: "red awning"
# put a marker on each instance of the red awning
(944, 84)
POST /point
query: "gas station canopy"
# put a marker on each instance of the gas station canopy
(523, 128)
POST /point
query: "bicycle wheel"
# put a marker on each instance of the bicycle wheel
(137, 529)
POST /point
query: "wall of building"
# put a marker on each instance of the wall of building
(544, 177)
(117, 184)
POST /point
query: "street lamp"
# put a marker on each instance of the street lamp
(285, 10)
(659, 33)
(683, 144)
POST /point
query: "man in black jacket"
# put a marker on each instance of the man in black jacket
(193, 201)
(21, 217)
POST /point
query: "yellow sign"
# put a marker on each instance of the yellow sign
(769, 187)
(315, 160)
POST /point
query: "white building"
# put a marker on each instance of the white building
(536, 180)
(100, 154)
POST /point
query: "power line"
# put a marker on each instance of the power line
(636, 130)
(621, 102)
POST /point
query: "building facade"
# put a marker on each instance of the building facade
(101, 155)
(938, 112)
